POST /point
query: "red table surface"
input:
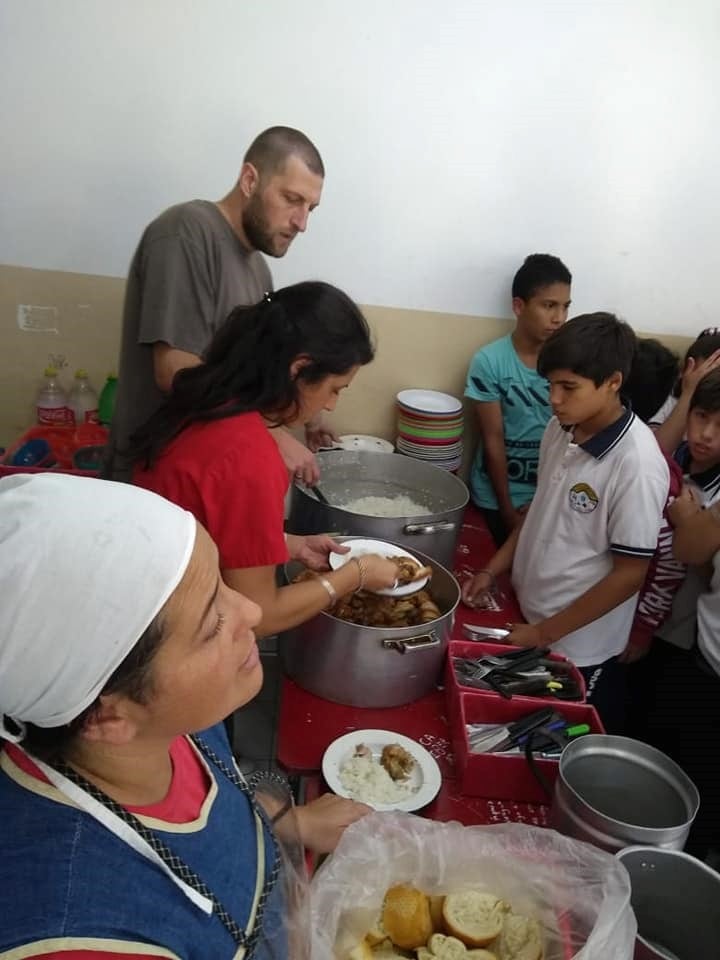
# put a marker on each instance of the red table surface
(309, 724)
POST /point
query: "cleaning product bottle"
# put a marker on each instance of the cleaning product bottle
(107, 400)
(52, 403)
(83, 401)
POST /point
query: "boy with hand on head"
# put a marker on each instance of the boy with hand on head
(699, 460)
(682, 715)
(511, 397)
(583, 550)
(668, 422)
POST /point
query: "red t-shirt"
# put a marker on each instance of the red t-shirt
(229, 474)
(182, 804)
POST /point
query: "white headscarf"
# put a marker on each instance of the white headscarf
(85, 566)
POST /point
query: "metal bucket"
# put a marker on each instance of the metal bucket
(347, 475)
(676, 900)
(616, 792)
(371, 666)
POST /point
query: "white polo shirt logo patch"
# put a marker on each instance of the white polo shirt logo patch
(583, 498)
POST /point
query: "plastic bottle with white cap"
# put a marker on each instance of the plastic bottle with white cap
(52, 402)
(83, 400)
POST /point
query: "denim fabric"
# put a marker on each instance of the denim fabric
(65, 875)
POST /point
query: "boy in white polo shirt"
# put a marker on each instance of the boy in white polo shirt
(582, 553)
(699, 459)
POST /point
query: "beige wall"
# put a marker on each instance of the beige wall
(415, 348)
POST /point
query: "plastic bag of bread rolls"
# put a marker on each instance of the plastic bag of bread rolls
(501, 892)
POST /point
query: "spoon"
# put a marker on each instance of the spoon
(320, 495)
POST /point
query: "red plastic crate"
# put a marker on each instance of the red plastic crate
(472, 649)
(499, 776)
(64, 442)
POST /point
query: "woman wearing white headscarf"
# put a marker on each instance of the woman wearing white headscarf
(125, 832)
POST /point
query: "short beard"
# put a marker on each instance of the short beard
(255, 228)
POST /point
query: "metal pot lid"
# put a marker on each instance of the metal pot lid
(614, 775)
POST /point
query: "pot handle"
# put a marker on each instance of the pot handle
(441, 527)
(408, 644)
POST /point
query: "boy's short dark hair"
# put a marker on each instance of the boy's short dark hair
(594, 345)
(705, 344)
(539, 270)
(707, 393)
(654, 370)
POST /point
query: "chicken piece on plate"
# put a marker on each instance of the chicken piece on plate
(397, 761)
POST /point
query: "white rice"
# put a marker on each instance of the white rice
(385, 507)
(366, 780)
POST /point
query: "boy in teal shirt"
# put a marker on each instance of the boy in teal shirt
(511, 398)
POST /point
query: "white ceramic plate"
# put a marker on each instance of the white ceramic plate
(361, 548)
(429, 401)
(360, 441)
(425, 775)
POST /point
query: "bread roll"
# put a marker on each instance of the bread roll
(406, 917)
(436, 905)
(520, 938)
(386, 951)
(376, 934)
(361, 951)
(473, 917)
(441, 947)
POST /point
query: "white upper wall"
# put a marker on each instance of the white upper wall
(457, 136)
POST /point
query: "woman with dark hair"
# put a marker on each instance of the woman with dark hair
(209, 448)
(127, 830)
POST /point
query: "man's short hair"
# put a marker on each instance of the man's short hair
(594, 345)
(269, 151)
(539, 270)
(707, 393)
(652, 377)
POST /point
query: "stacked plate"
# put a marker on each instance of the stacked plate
(430, 427)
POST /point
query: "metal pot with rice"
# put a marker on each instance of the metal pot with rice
(388, 496)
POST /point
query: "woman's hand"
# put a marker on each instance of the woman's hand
(380, 573)
(322, 822)
(315, 550)
(300, 461)
(477, 591)
(318, 435)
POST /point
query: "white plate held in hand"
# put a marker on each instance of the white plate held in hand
(362, 548)
(361, 441)
(425, 778)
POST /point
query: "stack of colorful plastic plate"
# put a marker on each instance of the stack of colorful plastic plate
(430, 427)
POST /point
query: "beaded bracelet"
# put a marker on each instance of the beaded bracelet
(362, 573)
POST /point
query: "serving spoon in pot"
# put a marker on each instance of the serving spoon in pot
(320, 495)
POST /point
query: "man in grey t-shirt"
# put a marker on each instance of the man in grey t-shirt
(194, 264)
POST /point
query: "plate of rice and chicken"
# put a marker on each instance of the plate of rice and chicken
(385, 770)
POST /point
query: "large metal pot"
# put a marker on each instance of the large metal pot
(616, 792)
(371, 666)
(347, 475)
(676, 900)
